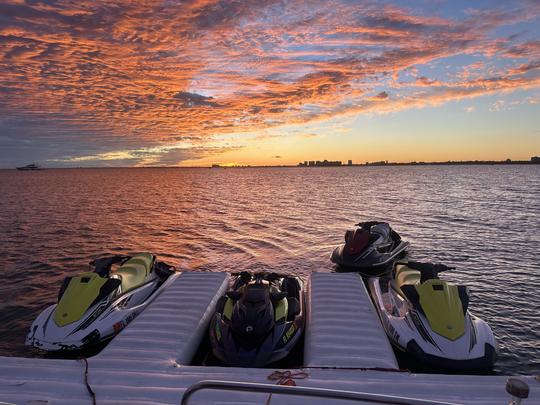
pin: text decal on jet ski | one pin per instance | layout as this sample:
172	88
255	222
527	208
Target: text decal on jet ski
289	333
118	326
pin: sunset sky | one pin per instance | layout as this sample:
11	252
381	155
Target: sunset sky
257	82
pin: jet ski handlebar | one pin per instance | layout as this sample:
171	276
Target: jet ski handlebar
428	271
102	266
163	269
368	224
246	276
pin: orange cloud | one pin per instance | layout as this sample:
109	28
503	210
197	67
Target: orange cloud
125	76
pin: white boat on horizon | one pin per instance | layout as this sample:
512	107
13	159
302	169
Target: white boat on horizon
32	166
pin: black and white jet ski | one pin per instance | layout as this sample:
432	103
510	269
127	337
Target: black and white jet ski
259	321
429	319
94	306
373	245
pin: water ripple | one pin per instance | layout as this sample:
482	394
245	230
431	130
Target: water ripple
484	220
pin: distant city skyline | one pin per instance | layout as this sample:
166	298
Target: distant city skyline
349	162
267	83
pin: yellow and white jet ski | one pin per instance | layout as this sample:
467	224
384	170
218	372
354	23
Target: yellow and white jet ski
94	306
429	318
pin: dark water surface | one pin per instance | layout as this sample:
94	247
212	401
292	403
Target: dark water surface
485	220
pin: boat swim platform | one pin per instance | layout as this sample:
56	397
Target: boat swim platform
149	361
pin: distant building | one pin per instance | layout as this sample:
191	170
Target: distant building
318	163
379	163
535	159
349	162
328	163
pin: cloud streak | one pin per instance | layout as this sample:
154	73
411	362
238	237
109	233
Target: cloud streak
122	76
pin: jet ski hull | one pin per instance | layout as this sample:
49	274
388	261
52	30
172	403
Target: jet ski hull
484	362
260	356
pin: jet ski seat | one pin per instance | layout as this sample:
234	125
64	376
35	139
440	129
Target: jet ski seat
356	241
135	270
406	276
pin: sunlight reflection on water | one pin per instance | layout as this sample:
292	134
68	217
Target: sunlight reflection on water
482	219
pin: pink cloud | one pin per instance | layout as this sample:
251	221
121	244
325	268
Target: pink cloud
168	71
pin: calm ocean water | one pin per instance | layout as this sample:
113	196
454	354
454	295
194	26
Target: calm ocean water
485	220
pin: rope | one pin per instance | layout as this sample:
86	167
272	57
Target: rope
88	387
285	378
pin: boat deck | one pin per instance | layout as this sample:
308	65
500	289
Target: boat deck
148	363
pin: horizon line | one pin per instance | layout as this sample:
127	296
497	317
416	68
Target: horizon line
533	160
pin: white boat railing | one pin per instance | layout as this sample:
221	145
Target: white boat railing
304	391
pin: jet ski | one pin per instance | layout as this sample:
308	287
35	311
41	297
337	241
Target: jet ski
259	321
372	246
93	307
428	318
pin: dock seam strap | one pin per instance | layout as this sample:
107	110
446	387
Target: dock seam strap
88	387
